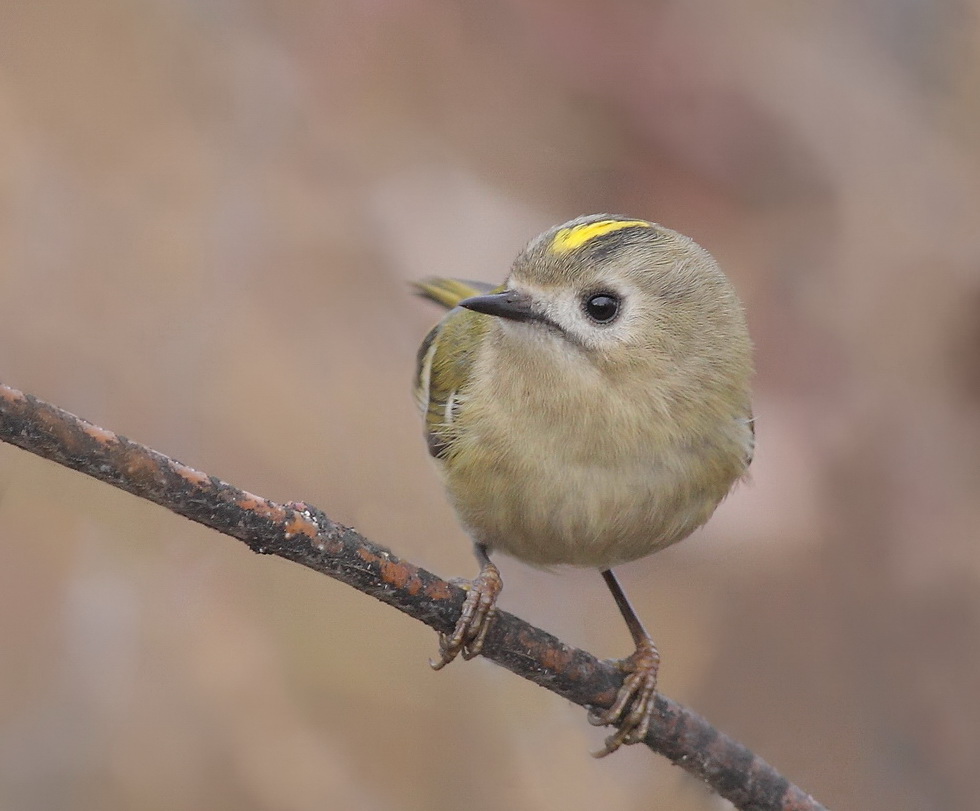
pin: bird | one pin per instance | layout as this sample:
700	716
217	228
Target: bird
591	410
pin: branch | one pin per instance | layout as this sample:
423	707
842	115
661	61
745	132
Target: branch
306	536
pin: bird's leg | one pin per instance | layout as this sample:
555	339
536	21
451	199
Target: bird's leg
475	618
633	707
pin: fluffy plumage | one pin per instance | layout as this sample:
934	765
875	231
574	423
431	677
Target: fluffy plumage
563	440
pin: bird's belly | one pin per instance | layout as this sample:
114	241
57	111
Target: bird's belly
554	512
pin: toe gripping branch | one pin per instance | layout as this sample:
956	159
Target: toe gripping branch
633	707
476	617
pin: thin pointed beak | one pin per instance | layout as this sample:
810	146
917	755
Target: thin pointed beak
506	304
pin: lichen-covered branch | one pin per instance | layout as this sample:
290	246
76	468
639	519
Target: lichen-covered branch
305	535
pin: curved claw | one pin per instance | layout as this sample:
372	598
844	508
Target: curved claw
474	620
633	707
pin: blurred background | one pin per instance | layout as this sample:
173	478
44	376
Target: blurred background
209	214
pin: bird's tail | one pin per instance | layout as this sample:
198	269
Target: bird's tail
450	292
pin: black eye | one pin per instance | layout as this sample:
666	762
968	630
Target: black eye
602	307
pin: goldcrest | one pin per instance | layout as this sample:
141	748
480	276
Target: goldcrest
591	410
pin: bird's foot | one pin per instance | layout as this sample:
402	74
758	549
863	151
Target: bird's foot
633	707
475	618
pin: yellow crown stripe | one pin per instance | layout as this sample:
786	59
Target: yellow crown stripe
568	239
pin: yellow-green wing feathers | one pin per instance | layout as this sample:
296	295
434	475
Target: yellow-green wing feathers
445	358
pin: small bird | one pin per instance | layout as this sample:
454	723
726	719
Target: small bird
590	411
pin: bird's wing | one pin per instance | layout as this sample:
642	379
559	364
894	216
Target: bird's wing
445	359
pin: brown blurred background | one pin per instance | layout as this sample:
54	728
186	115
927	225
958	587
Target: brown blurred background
209	212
